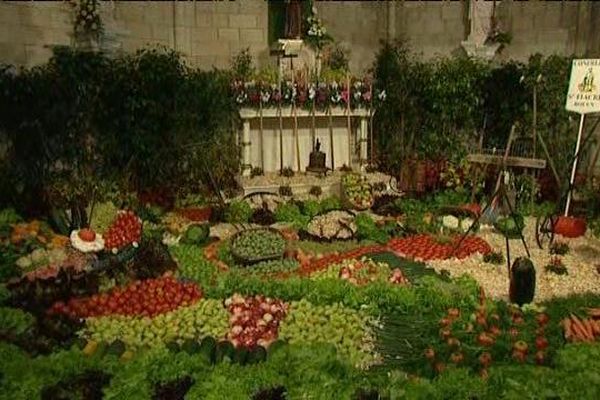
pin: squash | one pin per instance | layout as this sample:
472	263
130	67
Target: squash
224	350
522	281
208	349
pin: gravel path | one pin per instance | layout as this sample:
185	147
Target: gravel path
581	262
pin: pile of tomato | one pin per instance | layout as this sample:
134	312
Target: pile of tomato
425	247
126	229
141	298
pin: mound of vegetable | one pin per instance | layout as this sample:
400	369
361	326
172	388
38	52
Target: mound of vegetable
357	191
254	245
204	318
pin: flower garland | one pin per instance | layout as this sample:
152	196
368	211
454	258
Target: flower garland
319	95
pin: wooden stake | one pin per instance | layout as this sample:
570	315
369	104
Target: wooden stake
280	112
313	129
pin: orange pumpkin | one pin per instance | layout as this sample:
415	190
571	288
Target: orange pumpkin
570	227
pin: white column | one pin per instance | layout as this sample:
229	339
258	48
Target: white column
246	167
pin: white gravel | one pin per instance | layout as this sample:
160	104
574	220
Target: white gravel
581	263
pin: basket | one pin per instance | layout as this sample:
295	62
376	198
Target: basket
240	259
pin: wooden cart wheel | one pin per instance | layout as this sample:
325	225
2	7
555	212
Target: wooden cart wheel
544	230
395	184
260	199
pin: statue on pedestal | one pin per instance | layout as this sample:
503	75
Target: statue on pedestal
293	19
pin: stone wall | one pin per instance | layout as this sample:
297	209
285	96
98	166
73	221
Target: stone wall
209	33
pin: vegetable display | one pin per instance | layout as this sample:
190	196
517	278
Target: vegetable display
254	245
254	320
333	225
149	297
196	234
357	191
206	317
126	229
425	247
350	331
362	272
582	329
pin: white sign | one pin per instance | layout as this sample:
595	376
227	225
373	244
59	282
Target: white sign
583	96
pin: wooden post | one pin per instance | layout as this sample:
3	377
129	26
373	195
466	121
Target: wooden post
313	129
371	114
329	112
262	135
349	122
574	169
280	112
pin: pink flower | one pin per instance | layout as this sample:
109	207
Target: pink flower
345	95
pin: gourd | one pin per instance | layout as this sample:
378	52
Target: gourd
522	281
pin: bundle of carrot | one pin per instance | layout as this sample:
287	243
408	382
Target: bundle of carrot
584	329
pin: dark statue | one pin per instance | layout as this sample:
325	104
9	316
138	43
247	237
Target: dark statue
318	146
293	19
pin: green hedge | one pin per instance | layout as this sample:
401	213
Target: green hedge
143	120
433	109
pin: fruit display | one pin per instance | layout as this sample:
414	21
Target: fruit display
86	241
149	297
333	225
254	320
206	317
125	230
425	247
350	331
255	245
357	191
582	329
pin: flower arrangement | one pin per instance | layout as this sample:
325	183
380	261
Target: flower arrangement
316	34
87	18
307	95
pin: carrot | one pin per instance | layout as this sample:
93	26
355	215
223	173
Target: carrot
589	327
581	328
594	312
595	327
568	329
